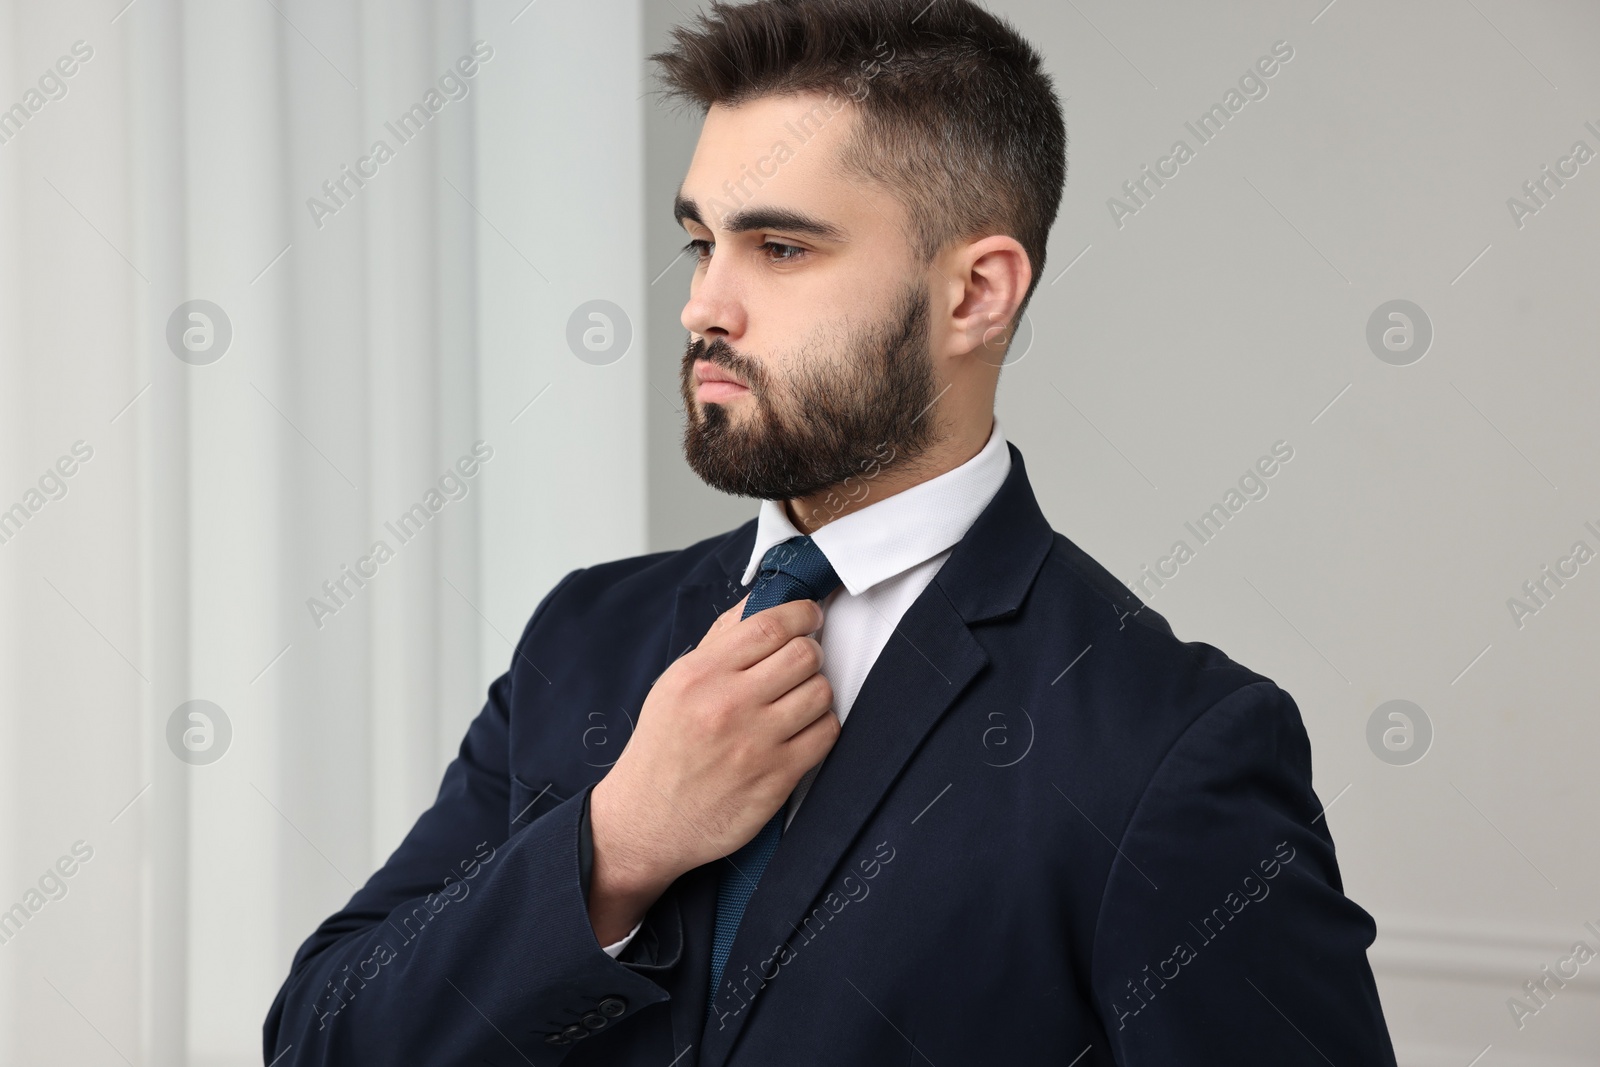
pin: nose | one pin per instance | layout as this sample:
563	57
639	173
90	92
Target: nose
715	307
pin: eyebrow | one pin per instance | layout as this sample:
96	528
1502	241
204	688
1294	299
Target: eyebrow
762	218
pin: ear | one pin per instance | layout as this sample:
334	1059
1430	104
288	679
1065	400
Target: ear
988	280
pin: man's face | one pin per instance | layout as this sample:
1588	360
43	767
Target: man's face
806	294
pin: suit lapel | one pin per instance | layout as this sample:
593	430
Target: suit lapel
929	660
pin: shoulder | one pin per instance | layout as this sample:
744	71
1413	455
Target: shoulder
636	587
1121	689
1129	643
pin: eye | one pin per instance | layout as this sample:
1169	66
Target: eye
798	252
703	249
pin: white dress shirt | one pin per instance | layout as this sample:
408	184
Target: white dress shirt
885	555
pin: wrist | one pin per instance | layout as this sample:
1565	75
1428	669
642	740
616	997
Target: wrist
623	881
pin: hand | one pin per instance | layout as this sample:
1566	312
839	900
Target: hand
724	736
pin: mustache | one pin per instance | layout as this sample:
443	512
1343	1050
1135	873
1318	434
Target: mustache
720	353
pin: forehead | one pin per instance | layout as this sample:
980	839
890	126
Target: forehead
783	152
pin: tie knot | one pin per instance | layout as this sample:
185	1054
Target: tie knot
795	569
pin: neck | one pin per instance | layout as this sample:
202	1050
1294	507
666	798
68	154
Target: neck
884	476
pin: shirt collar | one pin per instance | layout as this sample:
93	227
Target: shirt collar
898	532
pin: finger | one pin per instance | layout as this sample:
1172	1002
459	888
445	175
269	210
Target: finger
815	731
797	709
788	666
752	640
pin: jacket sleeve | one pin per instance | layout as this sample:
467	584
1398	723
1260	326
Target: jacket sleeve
468	940
1225	935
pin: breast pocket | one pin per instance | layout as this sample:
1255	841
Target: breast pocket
528	802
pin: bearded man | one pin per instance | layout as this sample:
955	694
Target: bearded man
913	778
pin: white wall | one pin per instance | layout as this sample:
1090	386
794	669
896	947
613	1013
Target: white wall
371	348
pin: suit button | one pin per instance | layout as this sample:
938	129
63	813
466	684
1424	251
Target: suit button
555	1039
575	1032
613	1007
594	1020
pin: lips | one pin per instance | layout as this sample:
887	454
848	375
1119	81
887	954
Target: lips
710	372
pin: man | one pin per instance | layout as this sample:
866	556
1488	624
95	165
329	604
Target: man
913	778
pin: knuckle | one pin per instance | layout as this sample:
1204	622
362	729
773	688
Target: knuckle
768	627
808	651
720	706
816	693
687	675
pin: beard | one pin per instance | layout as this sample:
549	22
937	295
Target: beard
828	422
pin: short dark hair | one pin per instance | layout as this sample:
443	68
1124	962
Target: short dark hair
960	122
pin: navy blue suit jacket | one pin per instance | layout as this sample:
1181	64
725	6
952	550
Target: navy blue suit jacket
1051	833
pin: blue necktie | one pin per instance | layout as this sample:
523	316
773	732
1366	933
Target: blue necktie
793	570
